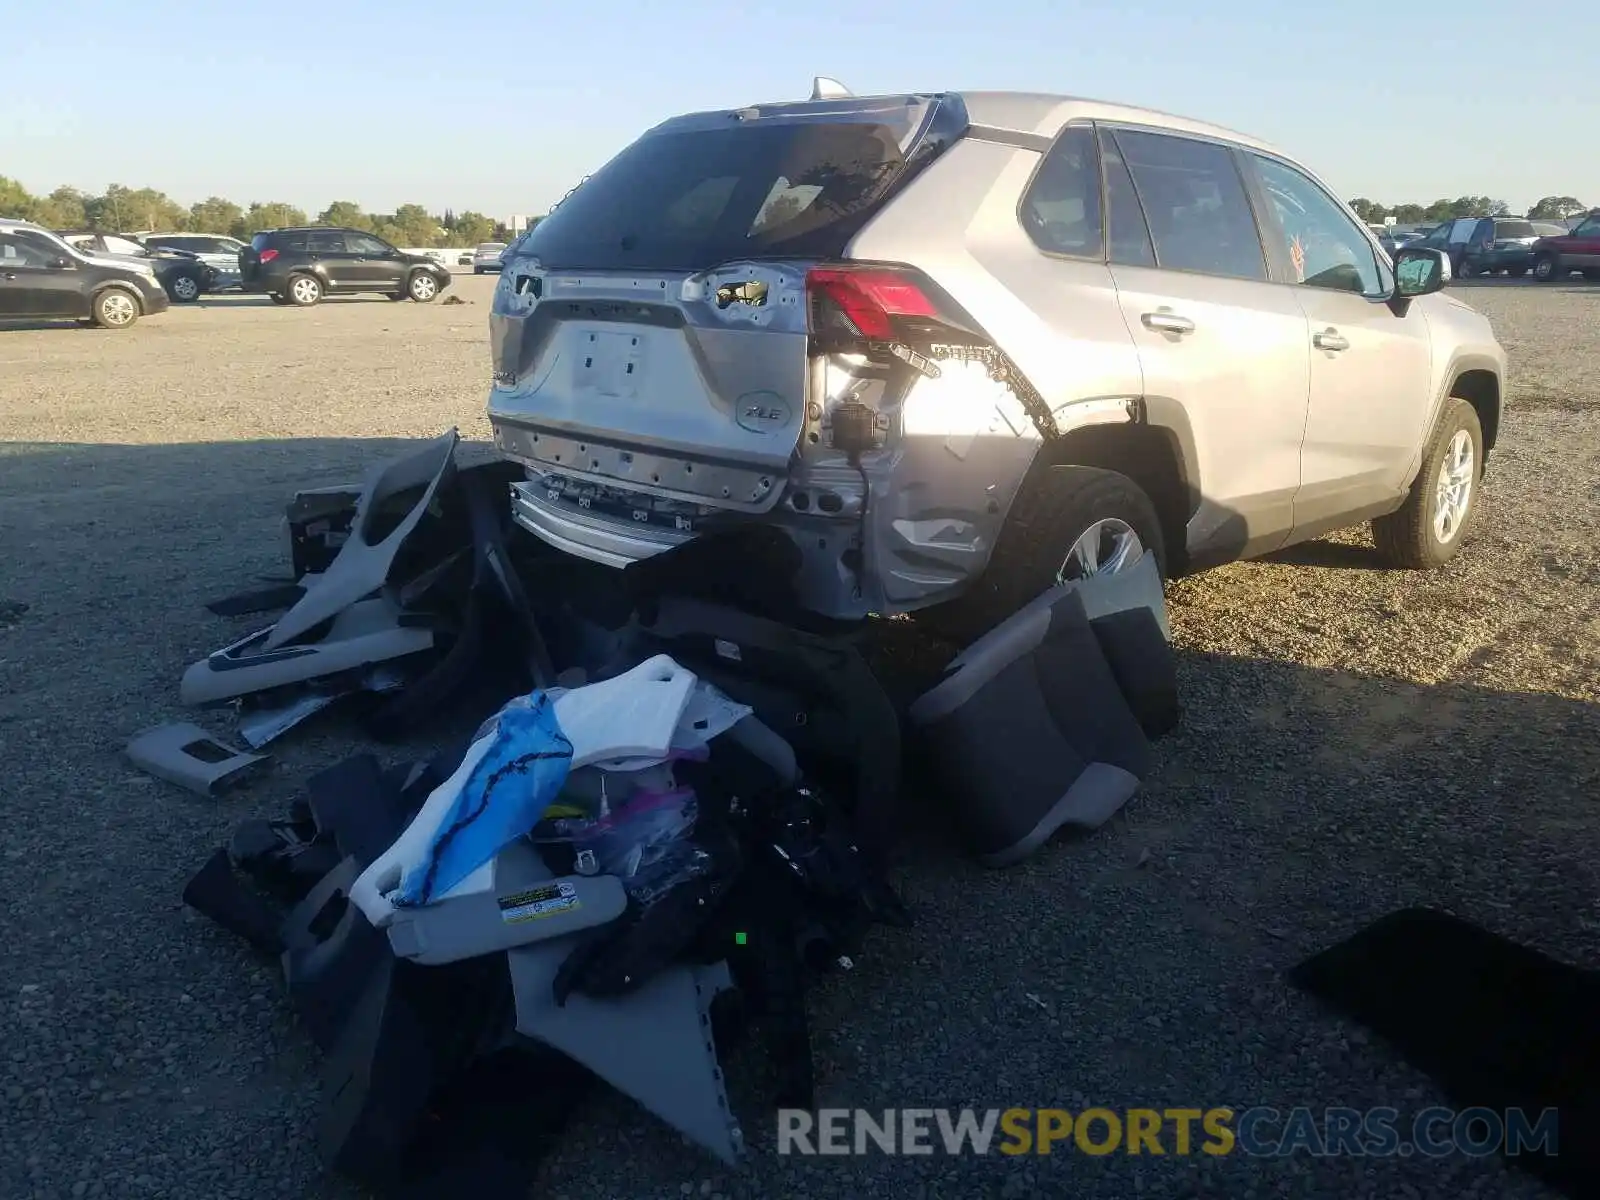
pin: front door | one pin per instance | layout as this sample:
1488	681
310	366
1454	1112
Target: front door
1371	369
376	264
31	285
1581	250
1223	348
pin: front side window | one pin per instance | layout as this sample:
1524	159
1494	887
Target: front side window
16	253
1195	204
1061	210
1325	247
365	245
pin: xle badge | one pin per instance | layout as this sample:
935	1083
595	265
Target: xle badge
535	904
761	412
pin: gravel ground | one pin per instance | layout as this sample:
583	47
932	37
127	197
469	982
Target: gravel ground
1356	740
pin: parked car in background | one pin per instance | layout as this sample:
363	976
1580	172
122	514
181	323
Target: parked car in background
961	347
1393	239
219	253
41	275
1499	244
184	276
1558	257
487	257
302	265
464	259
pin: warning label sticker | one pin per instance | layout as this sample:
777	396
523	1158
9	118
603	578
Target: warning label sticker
535	904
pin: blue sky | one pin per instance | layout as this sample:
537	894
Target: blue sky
500	105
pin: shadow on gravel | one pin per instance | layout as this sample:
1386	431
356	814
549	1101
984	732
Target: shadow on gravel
1138	967
1339	555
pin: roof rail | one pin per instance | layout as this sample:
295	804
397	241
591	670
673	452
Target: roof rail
823	88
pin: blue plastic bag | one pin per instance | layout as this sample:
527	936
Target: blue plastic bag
502	799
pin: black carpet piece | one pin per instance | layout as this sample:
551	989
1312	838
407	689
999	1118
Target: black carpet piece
1495	1024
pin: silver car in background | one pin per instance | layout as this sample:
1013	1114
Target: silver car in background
959	347
487	257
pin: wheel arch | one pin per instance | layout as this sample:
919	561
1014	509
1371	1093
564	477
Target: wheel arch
100	289
1479	385
1155	450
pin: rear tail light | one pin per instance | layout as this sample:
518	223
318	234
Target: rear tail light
868	298
268	255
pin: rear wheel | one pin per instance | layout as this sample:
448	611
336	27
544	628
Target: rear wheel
1592	276
395	295
1546	268
1443	505
1067	523
422	286
1464	269
303	290
115	309
1516	272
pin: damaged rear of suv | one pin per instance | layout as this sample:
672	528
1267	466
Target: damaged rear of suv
960	348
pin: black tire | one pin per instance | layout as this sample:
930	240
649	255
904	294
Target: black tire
185	288
1516	272
302	290
115	308
1055	507
1547	269
1463	269
477	270
1592	276
1408	538
423	286
396	295
277	299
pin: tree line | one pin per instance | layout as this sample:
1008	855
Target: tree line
122	209
1549	208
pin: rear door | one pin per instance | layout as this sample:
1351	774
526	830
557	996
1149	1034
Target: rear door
1224	349
1371	368
650	334
327	249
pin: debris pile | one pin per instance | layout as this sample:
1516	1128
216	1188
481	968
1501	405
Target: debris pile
672	810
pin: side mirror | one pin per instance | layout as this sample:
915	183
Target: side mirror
1419	271
61	263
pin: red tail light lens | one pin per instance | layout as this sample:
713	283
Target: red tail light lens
871	297
268	255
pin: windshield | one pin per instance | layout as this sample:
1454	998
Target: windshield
690	199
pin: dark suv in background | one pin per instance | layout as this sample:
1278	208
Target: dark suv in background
1485	245
301	266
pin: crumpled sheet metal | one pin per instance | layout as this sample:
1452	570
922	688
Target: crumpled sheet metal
362	565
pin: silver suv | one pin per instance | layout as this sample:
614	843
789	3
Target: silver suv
959	347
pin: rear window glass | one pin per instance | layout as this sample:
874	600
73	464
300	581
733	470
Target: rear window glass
688	200
1514	229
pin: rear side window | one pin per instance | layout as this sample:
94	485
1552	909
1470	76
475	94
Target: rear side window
1514	229
261	241
1061	210
298	240
1129	235
325	241
1195	203
689	199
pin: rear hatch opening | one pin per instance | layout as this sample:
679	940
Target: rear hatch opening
683	342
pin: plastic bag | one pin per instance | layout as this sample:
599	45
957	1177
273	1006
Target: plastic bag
645	842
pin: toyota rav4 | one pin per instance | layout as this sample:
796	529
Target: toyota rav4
962	347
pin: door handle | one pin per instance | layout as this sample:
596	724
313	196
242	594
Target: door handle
1167	322
1329	339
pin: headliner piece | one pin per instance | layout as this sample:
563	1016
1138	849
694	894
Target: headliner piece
653	1044
362	566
